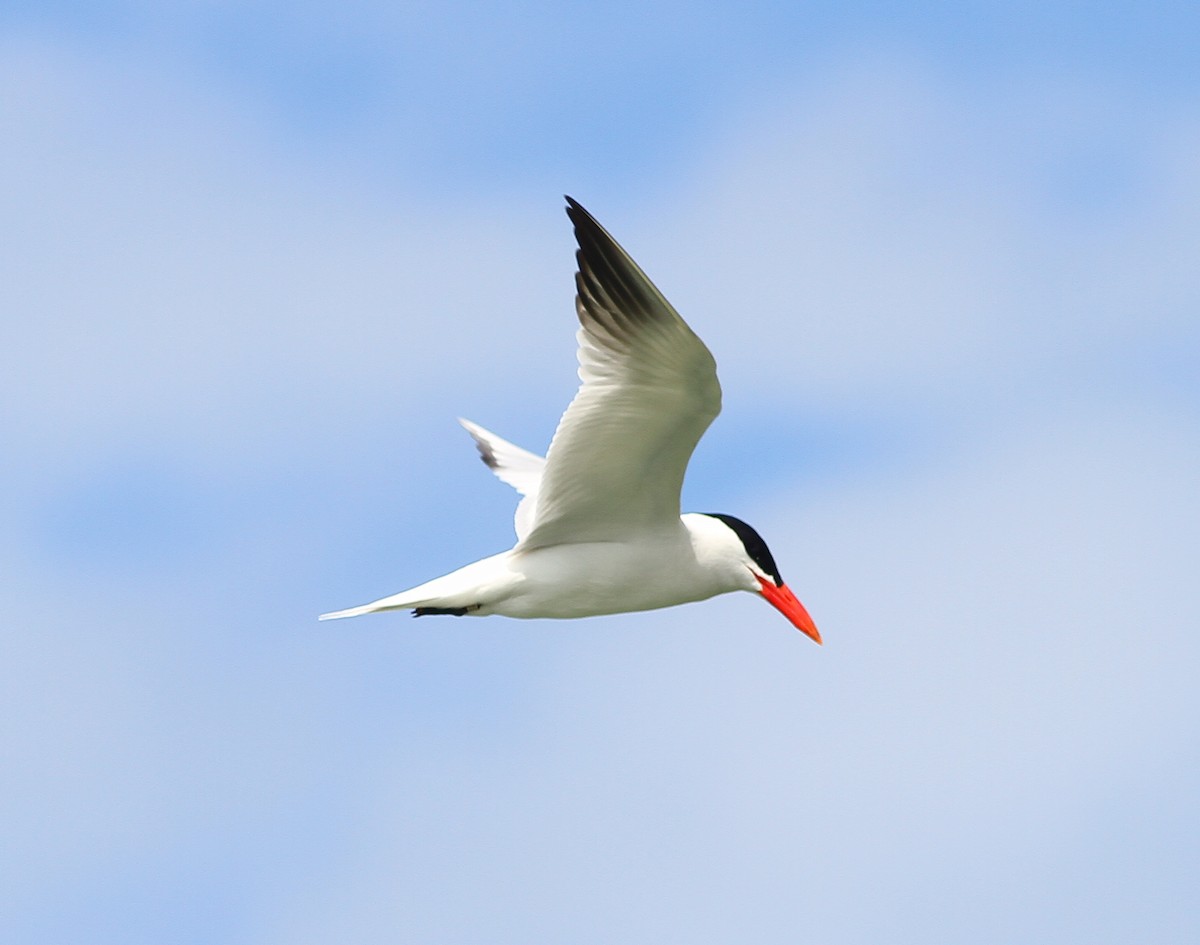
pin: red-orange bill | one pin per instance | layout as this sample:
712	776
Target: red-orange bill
783	600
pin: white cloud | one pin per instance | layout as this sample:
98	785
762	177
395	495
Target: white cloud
1005	656
1008	616
179	279
880	234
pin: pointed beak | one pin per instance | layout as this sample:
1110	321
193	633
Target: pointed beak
783	600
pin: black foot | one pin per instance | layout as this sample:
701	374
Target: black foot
439	611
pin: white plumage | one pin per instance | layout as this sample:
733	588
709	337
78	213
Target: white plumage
599	529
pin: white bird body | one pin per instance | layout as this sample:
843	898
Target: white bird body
599	529
692	562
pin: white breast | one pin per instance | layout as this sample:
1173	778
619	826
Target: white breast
585	579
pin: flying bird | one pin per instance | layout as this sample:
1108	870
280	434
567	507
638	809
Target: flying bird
599	529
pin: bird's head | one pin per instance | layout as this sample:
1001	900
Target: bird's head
759	574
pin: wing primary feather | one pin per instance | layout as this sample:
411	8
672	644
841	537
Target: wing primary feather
649	390
613	287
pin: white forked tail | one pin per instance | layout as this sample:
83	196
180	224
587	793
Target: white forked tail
395	602
468	589
424	596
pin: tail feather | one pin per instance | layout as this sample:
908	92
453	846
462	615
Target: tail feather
395	602
405	600
466	590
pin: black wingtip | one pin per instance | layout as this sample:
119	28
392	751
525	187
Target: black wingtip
487	454
577	211
589	234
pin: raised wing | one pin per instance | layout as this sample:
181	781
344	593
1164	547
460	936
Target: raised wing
520	468
616	464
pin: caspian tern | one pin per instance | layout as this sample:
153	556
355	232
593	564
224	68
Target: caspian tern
599	529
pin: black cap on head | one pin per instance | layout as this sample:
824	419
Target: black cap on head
752	541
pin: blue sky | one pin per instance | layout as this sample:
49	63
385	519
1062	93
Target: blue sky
260	256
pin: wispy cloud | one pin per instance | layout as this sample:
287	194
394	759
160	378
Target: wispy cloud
955	326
